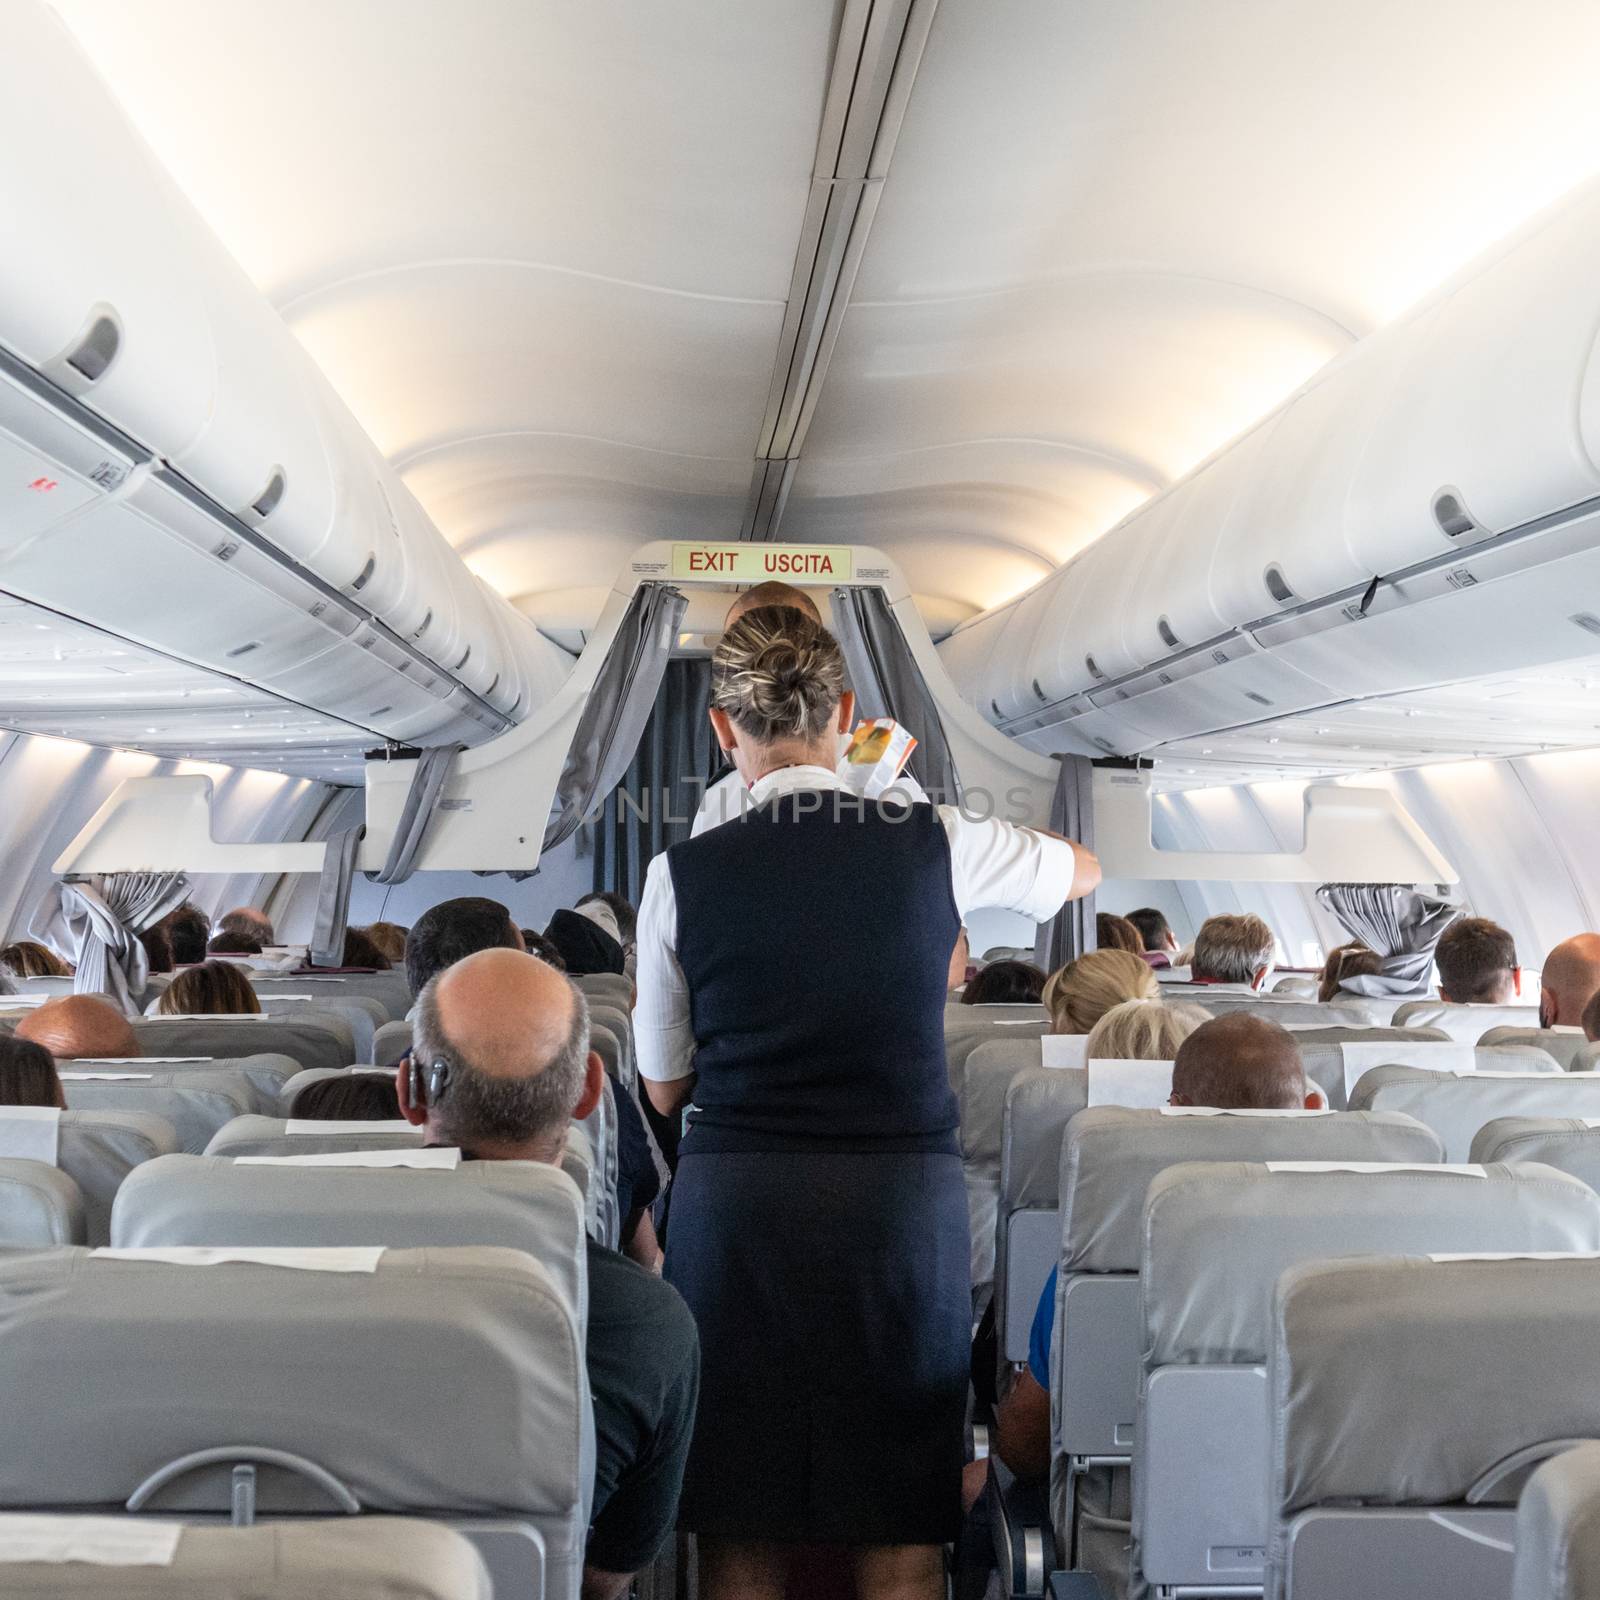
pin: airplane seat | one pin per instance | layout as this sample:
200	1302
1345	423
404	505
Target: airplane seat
282	1203
39	1206
308	1041
87	1377
303	1080
1349	1011
96	1150
1558	1529
196	1104
1569	1144
1216	1239
615	988
1337	1069
365	1559
1413	1399
362	1015
1468	1023
389	989
1109	1158
964	1034
1587	1059
264	1074
1456	1105
1563	1045
1296	986
390	1042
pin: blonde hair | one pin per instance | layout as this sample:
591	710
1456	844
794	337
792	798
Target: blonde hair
777	674
1084	990
1142	1030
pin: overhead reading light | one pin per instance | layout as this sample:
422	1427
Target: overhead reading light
91	357
269	499
244	649
1450	512
1278	585
1586	620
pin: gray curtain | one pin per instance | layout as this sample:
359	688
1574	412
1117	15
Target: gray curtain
333	897
101	918
1070	933
888	683
1401	924
653	806
617	708
427	782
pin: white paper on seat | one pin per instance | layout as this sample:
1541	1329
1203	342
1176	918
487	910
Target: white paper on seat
19	1002
1590	1122
1437	1056
1139	1085
1541	1077
146	1061
1461	1170
1523	1255
30	1133
105	1077
1064	1049
420	1156
273	994
211	1016
361	1258
1215	1111
96	1541
332	1128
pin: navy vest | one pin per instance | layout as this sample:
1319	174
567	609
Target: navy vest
816	946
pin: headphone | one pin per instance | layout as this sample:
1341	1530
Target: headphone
438	1080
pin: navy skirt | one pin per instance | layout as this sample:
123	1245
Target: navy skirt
832	1296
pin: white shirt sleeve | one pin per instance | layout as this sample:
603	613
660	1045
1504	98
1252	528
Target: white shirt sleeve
663	1037
996	865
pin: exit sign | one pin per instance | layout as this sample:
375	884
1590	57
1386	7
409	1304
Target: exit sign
765	563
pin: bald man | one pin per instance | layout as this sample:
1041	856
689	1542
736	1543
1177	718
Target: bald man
503	1043
1570	980
250	922
1242	1063
80	1026
724	800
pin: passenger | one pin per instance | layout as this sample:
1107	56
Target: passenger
28	1075
1159	944
1138	1030
960	959
213	989
536	944
27	958
253	924
586	944
503	1065
623	918
1084	990
455	929
1571	978
361	954
1478	964
819	1221
80	1025
1235	951
1117	933
351	1097
157	944
1346	961
188	930
390	938
1005	983
1242	1063
230	943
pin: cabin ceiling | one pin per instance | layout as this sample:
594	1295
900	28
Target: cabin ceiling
544	250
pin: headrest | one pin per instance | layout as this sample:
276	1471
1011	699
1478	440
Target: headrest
39	1205
303	1080
1563	1045
1205	1303
272	1136
982	1083
1406	1382
196	1103
334	1366
1464	1022
308	1040
1349	1012
359	1559
1457	1107
1110	1157
1569	1144
208	1201
1039	1104
98	1149
390	989
1558	1529
390	1042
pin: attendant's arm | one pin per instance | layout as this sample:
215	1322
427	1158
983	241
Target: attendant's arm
1002	866
663	1036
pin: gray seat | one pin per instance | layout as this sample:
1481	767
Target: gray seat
308	1041
266	1074
614	987
1466	1023
196	1104
390	1042
304	1080
39	1206
1457	1107
1569	1144
341	1021
611	1031
964	1033
390	989
1357	1057
1413	1398
1217	1237
1558	1529
360	1014
88	1377
1564	1045
209	1201
1109	1158
365	1558
1350	1011
1587	1059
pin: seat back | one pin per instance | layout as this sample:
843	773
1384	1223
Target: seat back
1564	1045
1466	1023
390	989
1217	1237
611	1029
196	1104
304	1080
1407	1387
1457	1107
1558	1529
390	1042
361	1015
1447	1055
615	988
88	1377
366	1558
964	1033
209	1201
39	1206
309	1040
1349	1011
1569	1144
265	1074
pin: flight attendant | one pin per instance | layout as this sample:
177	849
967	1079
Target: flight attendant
792	972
